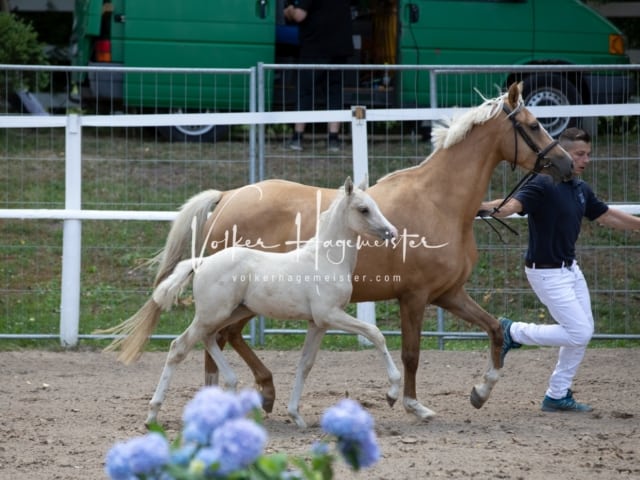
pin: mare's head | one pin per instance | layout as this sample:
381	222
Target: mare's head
534	148
361	212
520	137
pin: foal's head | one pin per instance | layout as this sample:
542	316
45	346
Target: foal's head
361	212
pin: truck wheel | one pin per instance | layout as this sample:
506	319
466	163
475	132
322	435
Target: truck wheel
550	90
194	133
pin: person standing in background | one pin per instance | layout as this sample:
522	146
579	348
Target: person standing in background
554	214
325	38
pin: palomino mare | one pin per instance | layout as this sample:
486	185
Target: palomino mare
312	282
431	204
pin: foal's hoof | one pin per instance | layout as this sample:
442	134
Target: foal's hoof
476	399
391	401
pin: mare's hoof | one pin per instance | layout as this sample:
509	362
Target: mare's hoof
267	404
391	401
476	400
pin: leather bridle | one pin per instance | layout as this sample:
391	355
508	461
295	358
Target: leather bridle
541	155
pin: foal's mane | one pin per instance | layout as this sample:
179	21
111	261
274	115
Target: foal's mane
325	216
450	131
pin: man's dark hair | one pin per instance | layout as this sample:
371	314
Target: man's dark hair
574	134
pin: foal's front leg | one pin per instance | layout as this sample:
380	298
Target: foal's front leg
343	321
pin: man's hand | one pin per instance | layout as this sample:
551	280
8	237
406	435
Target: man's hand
482	213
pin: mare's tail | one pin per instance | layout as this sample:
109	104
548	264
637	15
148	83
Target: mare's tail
193	212
134	332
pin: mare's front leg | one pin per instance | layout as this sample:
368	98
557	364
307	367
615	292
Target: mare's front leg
411	316
312	342
462	305
177	352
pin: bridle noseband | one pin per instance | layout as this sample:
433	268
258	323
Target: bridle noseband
519	129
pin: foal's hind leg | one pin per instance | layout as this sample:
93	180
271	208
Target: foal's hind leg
212	345
261	374
177	352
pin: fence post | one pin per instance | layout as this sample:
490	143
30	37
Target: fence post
71	235
366	311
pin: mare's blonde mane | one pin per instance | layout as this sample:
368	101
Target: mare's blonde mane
450	131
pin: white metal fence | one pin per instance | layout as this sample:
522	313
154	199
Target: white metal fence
376	138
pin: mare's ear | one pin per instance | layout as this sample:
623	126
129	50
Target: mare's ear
348	186
515	93
364	184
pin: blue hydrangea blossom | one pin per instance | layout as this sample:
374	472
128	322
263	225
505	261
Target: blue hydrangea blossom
138	456
353	426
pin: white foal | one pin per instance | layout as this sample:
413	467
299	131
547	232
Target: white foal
312	282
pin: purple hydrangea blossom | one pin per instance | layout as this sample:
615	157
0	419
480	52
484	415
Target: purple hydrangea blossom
320	448
138	456
204	459
353	426
360	453
238	443
347	419
249	400
183	455
209	409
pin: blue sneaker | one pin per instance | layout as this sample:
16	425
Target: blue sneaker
566	404
507	341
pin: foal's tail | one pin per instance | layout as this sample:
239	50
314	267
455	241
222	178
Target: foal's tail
134	332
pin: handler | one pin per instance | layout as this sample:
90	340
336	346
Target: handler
554	213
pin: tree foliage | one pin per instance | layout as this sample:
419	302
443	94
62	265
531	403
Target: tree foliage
19	46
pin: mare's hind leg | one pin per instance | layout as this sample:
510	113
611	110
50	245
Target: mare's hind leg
461	304
312	342
262	375
177	352
343	321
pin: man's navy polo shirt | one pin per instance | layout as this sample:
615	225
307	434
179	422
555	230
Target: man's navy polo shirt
554	213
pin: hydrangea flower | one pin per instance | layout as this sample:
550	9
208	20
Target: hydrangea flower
209	409
360	453
138	456
249	400
219	441
238	443
353	426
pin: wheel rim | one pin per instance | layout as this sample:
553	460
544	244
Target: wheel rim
544	98
193	130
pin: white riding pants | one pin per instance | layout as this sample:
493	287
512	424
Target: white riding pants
565	293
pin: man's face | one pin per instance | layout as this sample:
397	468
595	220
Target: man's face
580	151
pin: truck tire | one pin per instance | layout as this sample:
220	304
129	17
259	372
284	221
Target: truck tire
194	133
549	90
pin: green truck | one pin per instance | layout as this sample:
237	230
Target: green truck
244	33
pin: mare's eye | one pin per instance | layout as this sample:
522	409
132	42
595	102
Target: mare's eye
364	210
535	126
